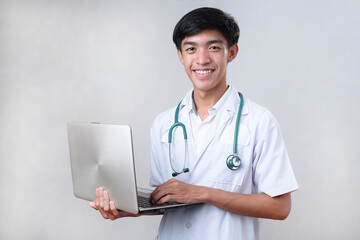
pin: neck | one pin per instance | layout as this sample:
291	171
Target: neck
204	100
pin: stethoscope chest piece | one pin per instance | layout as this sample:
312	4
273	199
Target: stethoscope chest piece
233	162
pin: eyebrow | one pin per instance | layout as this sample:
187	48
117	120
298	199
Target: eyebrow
209	42
189	43
215	41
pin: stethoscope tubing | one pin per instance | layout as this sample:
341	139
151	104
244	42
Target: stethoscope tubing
231	158
236	132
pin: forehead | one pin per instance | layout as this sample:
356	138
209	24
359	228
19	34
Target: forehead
205	37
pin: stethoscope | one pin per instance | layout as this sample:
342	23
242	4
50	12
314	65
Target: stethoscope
233	161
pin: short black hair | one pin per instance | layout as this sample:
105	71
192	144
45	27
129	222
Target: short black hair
206	18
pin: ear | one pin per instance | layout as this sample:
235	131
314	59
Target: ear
180	56
233	51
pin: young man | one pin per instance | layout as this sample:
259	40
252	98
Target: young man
236	191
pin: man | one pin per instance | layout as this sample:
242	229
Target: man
235	198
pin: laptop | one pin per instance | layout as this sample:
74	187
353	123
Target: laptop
101	155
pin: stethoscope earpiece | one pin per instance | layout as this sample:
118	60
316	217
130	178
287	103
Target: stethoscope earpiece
185	170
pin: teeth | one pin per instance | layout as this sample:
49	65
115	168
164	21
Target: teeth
203	72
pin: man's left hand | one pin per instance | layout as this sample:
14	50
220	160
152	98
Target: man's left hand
175	190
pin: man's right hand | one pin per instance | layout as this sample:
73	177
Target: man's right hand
106	207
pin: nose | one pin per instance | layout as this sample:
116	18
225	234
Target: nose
202	57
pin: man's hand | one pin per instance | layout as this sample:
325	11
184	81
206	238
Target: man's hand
175	190
106	207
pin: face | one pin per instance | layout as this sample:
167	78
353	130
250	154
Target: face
205	57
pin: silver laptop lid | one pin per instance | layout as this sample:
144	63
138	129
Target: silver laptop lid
102	156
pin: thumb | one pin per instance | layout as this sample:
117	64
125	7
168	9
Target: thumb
93	205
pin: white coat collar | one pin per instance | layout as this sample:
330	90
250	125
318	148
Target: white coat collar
231	102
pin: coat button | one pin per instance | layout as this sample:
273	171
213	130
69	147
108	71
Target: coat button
188	225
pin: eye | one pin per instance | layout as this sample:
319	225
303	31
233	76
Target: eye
214	48
190	49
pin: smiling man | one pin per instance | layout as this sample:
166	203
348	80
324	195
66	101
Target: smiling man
235	161
205	56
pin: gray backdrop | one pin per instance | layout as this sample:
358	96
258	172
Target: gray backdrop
114	62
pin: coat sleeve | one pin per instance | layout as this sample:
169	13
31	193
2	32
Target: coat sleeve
272	171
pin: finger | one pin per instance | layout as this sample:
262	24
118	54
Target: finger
158	188
155	195
101	197
106	201
104	214
160	195
158	192
93	205
97	198
114	210
165	199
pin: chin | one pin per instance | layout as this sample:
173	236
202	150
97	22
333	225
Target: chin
205	85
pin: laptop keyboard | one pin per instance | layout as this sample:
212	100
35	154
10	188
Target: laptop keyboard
145	202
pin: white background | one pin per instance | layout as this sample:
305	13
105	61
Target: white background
114	62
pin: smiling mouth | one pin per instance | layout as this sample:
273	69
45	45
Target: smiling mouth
204	71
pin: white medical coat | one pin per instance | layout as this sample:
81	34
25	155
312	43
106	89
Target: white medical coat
265	168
